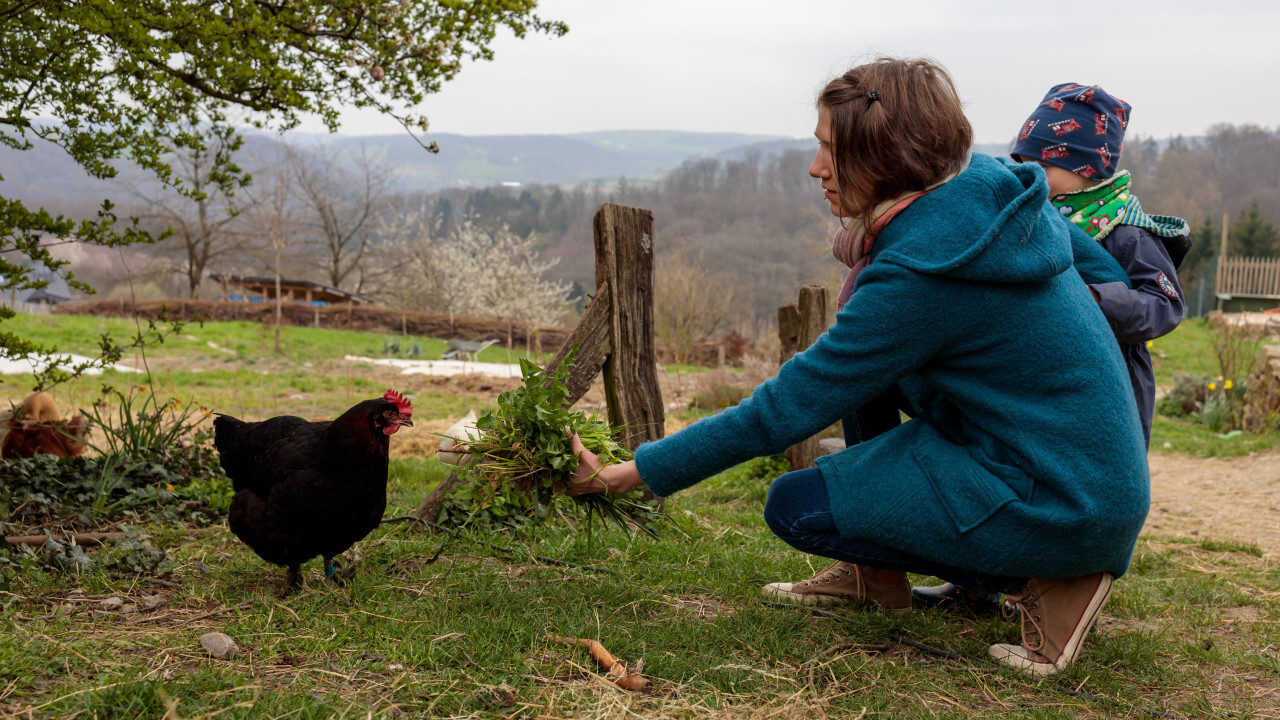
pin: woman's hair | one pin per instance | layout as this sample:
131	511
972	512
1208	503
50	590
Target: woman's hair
896	126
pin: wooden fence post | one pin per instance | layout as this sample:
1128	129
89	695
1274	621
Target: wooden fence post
788	331
614	336
812	312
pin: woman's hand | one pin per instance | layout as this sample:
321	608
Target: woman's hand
593	476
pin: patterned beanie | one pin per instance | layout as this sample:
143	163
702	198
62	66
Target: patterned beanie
1076	127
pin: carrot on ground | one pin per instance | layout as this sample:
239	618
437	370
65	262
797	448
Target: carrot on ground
615	671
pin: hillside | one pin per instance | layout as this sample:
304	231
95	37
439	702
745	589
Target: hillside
46	174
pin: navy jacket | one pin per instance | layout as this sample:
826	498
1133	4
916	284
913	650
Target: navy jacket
1151	308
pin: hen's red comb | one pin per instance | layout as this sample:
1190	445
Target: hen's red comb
402	405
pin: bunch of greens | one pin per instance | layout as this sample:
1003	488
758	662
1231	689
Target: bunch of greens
524	457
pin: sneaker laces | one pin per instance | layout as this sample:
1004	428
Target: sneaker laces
1028	605
837	571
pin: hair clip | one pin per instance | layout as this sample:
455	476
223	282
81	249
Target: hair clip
873	96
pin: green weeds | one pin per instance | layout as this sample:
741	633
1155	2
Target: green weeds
524	456
1190	632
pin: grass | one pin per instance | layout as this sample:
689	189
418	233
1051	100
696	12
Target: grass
231	367
232	343
1182	435
1191	632
1190	349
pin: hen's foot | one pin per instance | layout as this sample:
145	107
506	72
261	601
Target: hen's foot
292	581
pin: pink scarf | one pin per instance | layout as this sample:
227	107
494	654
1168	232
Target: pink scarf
852	244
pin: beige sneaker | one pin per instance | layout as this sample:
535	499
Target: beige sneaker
1056	616
846	582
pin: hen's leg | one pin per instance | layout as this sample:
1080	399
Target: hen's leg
337	574
331	573
292	580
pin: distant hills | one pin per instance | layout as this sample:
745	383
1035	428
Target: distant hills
46	173
485	160
464	160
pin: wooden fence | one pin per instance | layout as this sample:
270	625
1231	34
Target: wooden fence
1248	277
27	307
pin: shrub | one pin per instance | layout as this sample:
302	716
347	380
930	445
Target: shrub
152	465
1217	413
1187	395
84	492
718	397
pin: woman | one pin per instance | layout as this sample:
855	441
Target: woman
1022	470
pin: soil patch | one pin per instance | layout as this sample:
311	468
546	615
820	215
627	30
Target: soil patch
1235	499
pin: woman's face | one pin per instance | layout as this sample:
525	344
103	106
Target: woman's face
824	167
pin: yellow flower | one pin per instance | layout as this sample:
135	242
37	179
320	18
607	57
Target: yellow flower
1150	343
1213	386
1226	385
168	487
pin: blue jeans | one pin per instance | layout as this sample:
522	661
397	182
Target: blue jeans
798	510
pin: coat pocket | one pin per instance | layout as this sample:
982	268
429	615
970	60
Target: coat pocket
967	491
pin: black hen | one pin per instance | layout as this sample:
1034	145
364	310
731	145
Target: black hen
305	488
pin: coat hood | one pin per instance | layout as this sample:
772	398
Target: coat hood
991	223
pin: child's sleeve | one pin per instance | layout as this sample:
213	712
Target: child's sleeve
1093	263
1153	306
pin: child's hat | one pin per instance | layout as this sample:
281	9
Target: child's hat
1077	127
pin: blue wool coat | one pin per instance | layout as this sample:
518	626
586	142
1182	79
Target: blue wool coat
1024	457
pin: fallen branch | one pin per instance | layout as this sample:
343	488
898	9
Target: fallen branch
430	508
615	671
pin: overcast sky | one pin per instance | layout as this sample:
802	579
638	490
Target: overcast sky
754	66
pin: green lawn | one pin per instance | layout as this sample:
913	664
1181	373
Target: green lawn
1192	631
1190	349
232	367
231	343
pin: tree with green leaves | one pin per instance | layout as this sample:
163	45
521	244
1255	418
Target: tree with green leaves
1253	235
115	80
1204	243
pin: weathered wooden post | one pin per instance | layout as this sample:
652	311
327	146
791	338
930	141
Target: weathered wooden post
788	331
614	336
811	313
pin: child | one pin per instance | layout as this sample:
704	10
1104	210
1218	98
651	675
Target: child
1076	134
1036	487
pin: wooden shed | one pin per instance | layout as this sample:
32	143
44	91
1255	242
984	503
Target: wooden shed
245	288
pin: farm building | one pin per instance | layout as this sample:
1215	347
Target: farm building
245	288
37	299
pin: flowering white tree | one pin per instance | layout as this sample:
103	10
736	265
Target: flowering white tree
476	271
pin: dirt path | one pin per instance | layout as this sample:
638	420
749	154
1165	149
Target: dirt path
1221	499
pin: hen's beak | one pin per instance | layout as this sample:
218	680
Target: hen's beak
403	420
